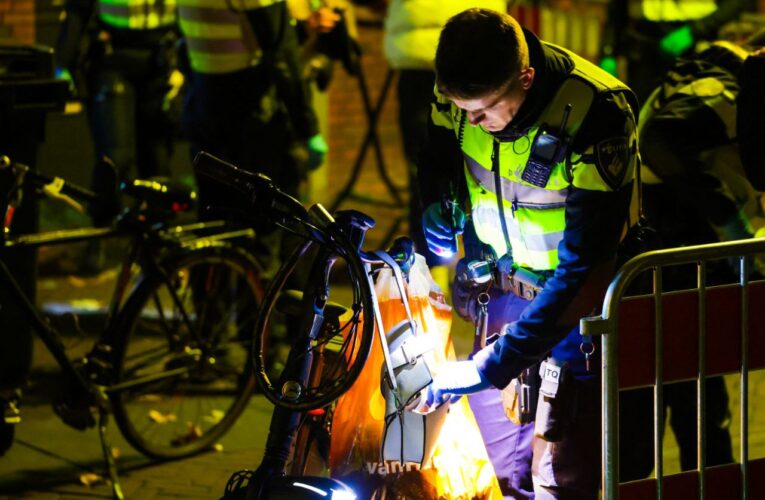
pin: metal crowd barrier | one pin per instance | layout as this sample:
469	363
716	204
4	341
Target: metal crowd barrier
727	320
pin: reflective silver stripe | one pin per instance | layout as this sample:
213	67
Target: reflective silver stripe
534	242
515	191
542	242
216	46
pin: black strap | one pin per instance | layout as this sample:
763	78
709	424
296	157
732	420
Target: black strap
498	191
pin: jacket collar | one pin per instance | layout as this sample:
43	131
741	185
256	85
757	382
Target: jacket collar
551	69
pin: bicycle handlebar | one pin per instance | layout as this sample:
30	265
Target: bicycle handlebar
52	186
259	189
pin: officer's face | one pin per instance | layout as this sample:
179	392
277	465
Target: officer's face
495	110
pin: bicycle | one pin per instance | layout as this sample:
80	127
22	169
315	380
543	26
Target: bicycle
330	342
171	363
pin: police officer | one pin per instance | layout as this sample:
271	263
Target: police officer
128	67
696	191
537	147
651	34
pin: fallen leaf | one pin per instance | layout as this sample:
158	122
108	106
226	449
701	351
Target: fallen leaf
89	479
214	417
160	418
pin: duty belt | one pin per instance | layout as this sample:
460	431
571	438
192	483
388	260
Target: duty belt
521	283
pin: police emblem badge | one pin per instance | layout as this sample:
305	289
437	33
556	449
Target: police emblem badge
611	159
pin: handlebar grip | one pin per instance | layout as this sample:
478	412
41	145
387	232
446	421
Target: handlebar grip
223	172
259	189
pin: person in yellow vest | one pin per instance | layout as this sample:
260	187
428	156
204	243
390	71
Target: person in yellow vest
537	147
651	34
129	79
247	100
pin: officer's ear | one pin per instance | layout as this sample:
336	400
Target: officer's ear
527	78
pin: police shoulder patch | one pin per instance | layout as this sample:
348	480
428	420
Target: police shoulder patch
611	159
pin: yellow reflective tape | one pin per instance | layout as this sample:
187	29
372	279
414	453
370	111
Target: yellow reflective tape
219	63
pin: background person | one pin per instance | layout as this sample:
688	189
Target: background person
128	76
696	191
651	34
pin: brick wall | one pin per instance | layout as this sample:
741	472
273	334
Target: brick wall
17	20
348	127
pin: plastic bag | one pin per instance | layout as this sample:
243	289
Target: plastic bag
459	467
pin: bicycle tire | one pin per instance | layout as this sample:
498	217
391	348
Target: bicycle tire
318	397
202	333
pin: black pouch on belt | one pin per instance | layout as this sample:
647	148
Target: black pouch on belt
519	398
555	400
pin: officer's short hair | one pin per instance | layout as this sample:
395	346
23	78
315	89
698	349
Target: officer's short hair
479	51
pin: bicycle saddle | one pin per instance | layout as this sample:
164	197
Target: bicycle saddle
161	193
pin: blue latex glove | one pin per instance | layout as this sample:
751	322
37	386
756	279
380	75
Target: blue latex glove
441	228
64	74
677	41
454	379
317	150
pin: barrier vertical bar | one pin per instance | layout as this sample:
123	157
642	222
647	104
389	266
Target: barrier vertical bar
658	389
609	400
744	281
701	428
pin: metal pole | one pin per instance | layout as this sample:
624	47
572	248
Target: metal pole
744	436
701	402
658	389
609	400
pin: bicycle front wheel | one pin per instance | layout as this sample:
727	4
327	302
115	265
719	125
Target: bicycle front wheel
181	353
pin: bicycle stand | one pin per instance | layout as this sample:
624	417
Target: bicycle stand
371	138
106	449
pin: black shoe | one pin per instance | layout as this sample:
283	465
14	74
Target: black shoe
10	417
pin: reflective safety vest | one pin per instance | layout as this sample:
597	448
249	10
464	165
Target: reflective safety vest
671	10
218	34
137	14
722	162
535	215
716	94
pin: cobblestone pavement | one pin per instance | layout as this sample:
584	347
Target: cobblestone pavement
50	461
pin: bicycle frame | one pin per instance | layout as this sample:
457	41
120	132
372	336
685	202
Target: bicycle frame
152	239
